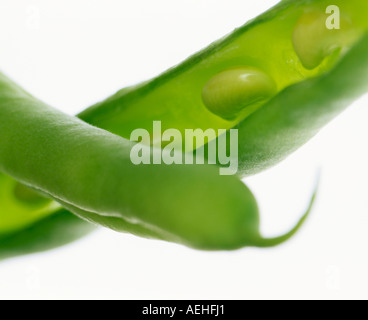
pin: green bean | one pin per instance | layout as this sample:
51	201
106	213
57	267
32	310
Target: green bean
88	170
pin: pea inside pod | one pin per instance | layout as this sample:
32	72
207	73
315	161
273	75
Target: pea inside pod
314	39
230	92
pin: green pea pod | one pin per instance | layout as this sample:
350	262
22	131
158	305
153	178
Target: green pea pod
297	114
56	230
254	67
276	112
89	171
31	223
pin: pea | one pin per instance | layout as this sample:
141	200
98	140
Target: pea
233	90
313	41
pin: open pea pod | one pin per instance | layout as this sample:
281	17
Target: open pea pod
277	79
295	115
302	74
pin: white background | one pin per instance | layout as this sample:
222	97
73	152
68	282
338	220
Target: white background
72	53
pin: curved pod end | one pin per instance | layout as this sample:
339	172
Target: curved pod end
272	242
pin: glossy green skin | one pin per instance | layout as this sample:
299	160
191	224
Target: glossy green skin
266	137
